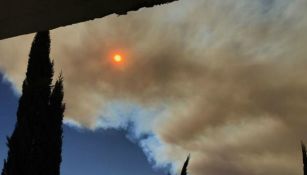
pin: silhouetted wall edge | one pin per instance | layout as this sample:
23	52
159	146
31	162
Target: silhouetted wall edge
23	17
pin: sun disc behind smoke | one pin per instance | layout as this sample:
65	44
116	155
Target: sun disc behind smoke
117	58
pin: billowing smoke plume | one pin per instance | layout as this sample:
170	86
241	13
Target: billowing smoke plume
222	80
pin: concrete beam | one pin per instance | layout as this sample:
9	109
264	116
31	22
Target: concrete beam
19	17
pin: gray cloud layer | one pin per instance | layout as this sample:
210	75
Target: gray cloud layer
222	80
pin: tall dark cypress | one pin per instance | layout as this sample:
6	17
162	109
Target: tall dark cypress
39	117
304	158
56	115
184	170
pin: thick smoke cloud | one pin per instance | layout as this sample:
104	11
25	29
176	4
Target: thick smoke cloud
222	80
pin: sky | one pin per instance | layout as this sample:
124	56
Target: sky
222	80
84	151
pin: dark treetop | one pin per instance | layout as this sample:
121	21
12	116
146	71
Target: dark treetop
35	145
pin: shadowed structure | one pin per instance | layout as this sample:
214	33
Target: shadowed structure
35	15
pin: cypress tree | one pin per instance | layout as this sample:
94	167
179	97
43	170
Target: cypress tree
35	139
56	131
184	170
304	158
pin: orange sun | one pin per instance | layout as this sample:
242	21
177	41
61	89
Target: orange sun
117	58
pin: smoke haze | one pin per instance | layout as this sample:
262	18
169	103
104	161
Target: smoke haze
222	80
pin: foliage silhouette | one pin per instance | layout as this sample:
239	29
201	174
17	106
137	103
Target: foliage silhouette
184	170
304	158
36	143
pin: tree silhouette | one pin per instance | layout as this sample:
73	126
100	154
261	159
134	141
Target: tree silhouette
184	170
56	115
35	145
304	158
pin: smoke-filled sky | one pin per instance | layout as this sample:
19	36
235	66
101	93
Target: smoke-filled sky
222	80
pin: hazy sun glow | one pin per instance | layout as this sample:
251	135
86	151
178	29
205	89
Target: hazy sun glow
117	58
